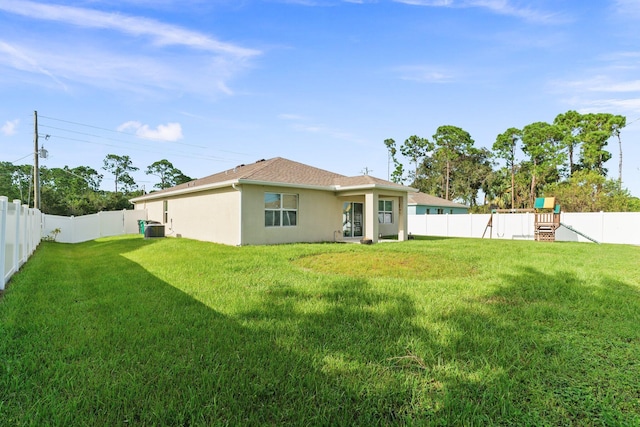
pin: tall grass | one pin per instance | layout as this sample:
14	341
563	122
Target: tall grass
127	331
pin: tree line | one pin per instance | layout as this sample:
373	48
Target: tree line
77	191
564	159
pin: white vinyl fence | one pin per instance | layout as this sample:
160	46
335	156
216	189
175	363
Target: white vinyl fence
76	229
603	227
22	228
19	236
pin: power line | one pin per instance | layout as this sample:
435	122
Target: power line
28	155
126	144
122	133
633	121
118	132
176	153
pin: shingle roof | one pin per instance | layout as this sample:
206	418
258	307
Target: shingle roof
279	170
364	180
429	200
287	171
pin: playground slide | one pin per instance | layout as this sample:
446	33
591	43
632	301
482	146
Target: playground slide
578	232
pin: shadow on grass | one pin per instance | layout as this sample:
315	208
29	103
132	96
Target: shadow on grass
547	349
119	346
111	344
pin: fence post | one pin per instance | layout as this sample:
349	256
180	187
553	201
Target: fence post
24	211
72	226
446	217
4	206
30	226
16	246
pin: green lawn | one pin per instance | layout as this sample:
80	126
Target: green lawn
127	331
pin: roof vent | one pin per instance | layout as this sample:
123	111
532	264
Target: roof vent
261	160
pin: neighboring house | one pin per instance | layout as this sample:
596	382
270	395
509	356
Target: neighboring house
280	201
425	204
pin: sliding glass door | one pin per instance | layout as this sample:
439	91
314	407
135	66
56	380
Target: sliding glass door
352	219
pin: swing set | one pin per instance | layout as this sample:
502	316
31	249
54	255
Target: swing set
546	219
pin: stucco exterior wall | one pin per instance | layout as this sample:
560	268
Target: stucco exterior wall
235	215
154	209
319	216
212	215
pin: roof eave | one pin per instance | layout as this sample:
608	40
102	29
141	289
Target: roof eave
374	186
229	183
331	187
186	190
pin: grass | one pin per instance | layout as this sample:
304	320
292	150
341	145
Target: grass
127	331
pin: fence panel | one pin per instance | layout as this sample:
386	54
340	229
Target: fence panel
89	227
621	227
11	244
61	226
605	227
19	236
131	218
21	230
86	227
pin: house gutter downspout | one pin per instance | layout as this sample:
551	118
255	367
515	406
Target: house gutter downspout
239	190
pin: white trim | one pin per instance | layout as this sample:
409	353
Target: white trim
230	183
194	189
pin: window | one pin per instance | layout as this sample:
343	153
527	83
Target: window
280	210
165	211
385	211
440	211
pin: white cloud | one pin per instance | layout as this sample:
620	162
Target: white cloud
22	60
138	54
627	8
436	3
169	132
160	33
9	128
628	86
501	7
630	106
601	93
611	86
300	123
603	83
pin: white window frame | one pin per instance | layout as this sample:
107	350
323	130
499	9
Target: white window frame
165	211
385	216
276	213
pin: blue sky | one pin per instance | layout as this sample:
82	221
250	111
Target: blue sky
210	84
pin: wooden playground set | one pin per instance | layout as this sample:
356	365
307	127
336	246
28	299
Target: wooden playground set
546	219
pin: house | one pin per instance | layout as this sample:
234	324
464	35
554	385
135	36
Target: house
425	204
280	201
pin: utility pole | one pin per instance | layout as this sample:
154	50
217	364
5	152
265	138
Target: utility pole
36	166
